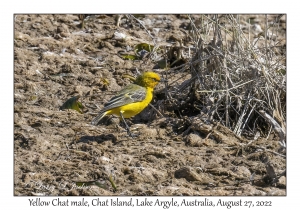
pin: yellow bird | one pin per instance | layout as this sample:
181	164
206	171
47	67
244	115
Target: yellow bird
131	100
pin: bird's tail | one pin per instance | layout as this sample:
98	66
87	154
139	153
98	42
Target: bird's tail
98	118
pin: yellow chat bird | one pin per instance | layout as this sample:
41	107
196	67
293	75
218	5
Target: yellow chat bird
131	100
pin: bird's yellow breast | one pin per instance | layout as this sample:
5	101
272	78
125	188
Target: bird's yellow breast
132	109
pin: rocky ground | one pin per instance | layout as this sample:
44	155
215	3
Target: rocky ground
58	152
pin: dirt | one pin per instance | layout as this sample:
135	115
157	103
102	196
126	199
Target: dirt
56	151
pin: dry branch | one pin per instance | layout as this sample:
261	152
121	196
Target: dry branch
275	125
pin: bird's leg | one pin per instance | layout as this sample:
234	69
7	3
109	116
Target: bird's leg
127	127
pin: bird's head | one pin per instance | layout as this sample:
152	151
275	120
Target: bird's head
148	79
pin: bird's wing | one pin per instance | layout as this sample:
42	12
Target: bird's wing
130	94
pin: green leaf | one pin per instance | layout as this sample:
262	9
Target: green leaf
130	57
112	182
143	46
73	103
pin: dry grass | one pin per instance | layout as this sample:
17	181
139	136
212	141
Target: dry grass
236	69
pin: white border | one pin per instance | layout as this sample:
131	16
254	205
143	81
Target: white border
148	6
